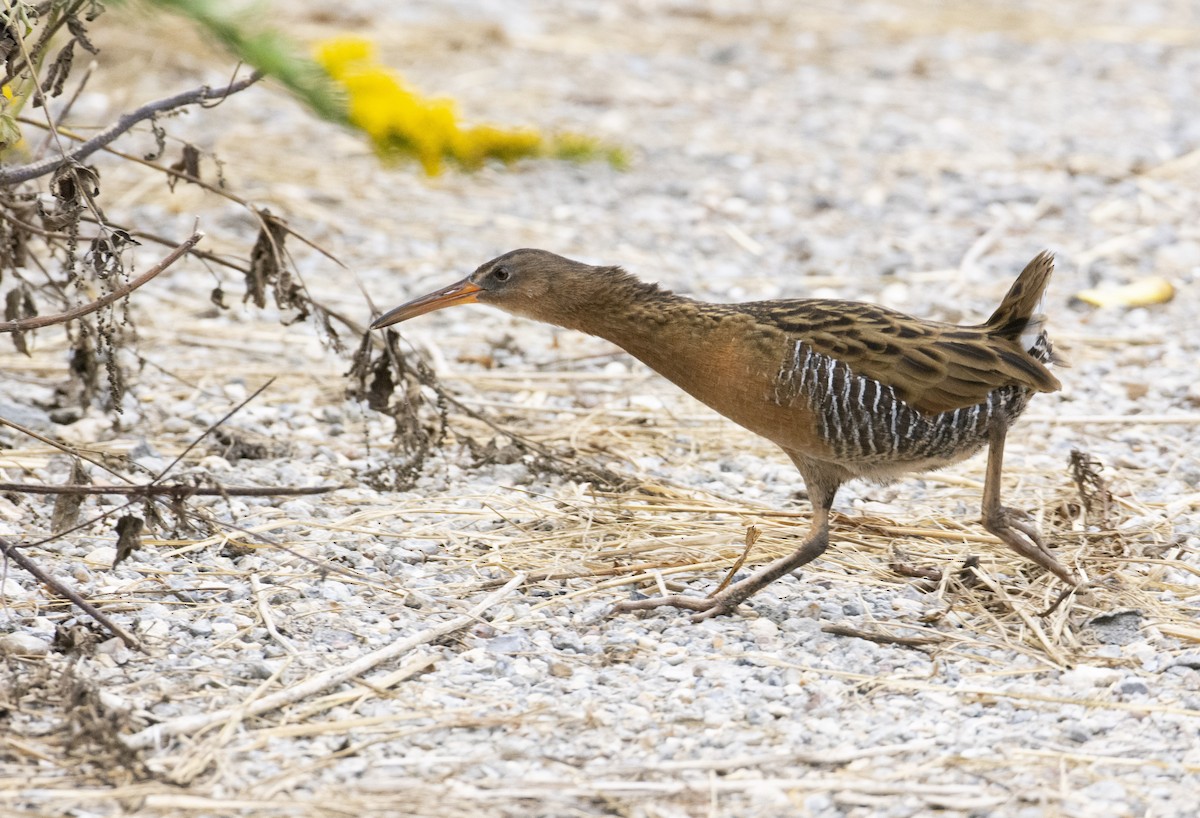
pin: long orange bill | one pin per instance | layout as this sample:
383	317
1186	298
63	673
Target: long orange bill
463	292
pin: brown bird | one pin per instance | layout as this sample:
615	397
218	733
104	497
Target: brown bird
846	389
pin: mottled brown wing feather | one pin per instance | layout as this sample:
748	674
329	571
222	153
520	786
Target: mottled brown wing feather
933	367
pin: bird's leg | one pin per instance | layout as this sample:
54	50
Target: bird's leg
1018	534
727	600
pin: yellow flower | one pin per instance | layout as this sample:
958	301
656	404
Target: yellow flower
399	121
337	54
485	141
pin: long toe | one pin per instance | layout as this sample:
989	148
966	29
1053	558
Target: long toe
1026	540
1029	530
704	607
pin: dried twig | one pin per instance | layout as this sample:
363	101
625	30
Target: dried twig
752	535
264	613
14	553
902	566
825	758
880	637
154	490
37	322
23	173
1053	654
578	466
175	491
212	428
62	447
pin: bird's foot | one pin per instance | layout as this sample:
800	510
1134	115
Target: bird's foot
726	598
718	604
1015	528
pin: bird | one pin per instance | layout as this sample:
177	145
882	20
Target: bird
848	390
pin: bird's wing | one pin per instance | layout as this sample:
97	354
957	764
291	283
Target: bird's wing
933	367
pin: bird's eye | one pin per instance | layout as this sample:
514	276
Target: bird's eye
501	274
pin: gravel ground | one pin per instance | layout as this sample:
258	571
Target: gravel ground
912	154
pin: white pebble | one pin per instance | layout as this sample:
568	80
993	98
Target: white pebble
1086	676
11	589
336	591
102	556
764	629
23	644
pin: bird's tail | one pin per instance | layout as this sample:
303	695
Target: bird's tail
1020	306
1019	315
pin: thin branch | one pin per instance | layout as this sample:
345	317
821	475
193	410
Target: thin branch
880	637
62	447
13	553
211	429
12	176
205	255
174	490
184	176
37	322
577	466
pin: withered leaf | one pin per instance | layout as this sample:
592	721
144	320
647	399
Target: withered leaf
8	45
360	366
10	131
56	76
129	537
160	147
66	506
329	334
72	182
377	392
18	304
188	164
75	26
105	252
266	260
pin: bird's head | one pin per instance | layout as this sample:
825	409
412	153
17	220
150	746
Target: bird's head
532	283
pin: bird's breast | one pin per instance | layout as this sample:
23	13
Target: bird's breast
725	366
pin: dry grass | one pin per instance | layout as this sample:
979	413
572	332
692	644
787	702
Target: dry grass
581	545
576	544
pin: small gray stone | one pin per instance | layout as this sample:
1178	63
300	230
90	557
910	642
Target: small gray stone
508	644
1132	686
1191	659
1117	628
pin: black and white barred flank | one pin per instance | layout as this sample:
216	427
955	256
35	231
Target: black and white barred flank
863	420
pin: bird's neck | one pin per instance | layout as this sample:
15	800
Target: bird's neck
711	351
640	318
692	343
